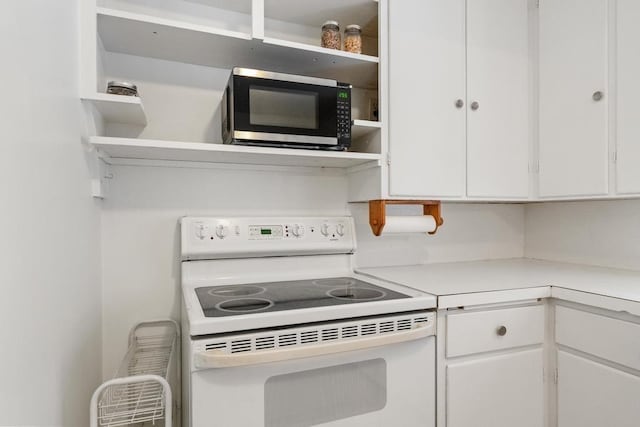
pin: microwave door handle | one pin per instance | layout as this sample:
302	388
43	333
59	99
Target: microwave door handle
218	359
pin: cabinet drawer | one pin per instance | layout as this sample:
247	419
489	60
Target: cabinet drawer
610	339
469	333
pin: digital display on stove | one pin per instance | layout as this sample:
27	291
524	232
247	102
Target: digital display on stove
233	300
262	231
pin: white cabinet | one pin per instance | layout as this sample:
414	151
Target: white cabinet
576	329
589	62
492	330
493	361
628	96
601	385
497	391
426	77
573	63
443	141
498	85
591	394
490	367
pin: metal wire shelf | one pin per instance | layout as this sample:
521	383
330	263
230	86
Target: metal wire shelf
141	389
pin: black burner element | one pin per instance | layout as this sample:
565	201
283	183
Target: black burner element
356	294
244	305
334	282
234	300
236	291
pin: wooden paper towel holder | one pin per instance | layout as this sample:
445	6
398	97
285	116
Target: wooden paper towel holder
377	212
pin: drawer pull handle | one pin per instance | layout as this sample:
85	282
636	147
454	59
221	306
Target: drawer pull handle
502	331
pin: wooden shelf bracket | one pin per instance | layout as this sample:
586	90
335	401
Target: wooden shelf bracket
377	212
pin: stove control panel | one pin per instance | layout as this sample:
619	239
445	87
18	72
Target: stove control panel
214	238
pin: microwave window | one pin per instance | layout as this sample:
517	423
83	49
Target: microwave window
283	108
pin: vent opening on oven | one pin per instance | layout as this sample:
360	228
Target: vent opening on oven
314	336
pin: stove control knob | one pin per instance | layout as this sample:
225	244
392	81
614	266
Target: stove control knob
202	231
325	229
222	231
298	230
340	229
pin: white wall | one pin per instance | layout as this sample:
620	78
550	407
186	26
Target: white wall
470	232
605	233
50	347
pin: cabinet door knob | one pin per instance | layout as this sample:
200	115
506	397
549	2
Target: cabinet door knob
475	105
597	95
459	103
502	331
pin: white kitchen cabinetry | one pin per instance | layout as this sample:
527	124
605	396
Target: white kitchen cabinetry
426	97
490	367
498	132
598	365
497	391
459	98
492	363
573	88
492	330
628	96
591	394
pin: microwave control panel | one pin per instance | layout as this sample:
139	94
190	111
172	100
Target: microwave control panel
343	112
212	238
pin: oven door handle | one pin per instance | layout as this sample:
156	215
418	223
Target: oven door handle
218	359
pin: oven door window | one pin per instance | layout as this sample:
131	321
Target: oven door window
327	394
276	107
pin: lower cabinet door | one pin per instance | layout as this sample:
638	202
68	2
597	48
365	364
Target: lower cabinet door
497	391
594	395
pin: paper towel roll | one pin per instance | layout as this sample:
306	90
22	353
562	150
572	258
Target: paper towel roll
409	224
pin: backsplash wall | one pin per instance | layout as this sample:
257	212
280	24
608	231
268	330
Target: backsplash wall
470	232
605	233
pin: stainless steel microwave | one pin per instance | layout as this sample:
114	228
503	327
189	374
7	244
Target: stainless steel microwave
285	110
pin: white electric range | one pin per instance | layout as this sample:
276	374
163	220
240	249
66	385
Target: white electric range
279	331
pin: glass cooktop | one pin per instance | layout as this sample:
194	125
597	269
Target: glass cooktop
232	300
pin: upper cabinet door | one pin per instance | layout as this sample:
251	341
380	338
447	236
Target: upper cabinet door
498	109
426	98
573	98
628	95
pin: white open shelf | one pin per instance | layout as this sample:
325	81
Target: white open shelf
118	108
364	128
300	58
115	149
362	12
168	39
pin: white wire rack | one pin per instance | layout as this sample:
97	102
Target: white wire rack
141	391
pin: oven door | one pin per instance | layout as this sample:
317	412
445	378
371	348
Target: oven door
384	380
271	111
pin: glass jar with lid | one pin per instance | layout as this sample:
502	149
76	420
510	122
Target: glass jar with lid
353	38
331	35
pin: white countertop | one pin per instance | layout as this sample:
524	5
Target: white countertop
499	276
